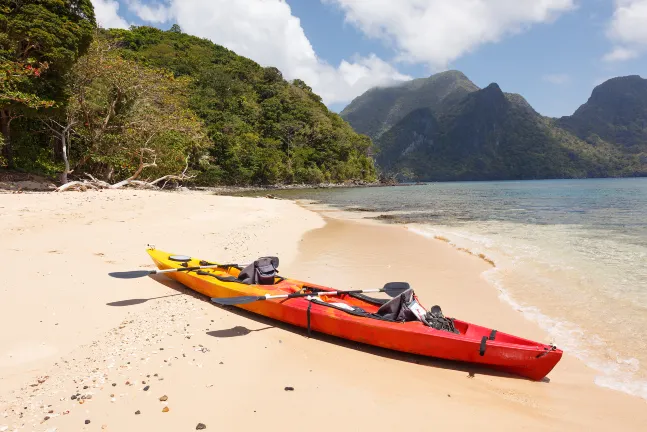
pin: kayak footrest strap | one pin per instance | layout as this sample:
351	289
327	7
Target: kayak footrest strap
308	317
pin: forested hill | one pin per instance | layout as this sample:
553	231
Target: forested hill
159	102
262	129
445	128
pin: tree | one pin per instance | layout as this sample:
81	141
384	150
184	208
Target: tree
39	42
125	118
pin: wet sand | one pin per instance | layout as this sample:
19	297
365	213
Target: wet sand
72	326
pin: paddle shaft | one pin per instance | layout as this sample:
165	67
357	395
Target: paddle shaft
320	293
392	289
186	269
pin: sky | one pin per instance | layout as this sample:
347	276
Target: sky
552	52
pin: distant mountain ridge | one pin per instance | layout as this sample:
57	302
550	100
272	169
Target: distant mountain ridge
445	128
616	112
375	111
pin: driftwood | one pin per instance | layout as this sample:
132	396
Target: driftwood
96	184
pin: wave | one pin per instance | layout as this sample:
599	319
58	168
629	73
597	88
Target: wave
614	371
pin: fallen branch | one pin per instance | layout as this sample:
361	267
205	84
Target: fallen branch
95	183
78	185
180	177
141	167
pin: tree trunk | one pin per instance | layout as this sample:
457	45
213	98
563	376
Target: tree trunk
65	159
5	120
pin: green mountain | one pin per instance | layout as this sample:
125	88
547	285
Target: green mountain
486	134
616	112
377	110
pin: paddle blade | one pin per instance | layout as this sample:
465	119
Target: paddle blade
130	274
232	301
394	289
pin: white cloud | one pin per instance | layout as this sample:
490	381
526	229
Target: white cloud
620	53
267	32
559	78
437	32
628	29
154	12
107	14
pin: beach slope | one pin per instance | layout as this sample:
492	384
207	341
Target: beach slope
80	350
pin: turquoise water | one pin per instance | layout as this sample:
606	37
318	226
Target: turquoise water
571	255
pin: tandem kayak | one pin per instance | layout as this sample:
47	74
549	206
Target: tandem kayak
360	318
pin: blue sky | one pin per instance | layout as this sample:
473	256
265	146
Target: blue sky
553	54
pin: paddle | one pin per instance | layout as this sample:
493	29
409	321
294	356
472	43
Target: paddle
392	289
143	273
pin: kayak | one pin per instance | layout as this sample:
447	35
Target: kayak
329	314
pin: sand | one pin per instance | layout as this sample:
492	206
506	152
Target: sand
118	346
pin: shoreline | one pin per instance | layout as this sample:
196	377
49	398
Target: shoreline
612	370
571	391
15	181
212	360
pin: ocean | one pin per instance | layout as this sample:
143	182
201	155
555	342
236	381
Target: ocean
571	255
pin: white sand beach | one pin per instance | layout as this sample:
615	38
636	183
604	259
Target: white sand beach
82	351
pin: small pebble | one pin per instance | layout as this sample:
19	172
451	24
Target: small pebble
165	409
163	398
46	418
138	412
201	426
289	389
87	422
146	388
114	384
85	387
72	397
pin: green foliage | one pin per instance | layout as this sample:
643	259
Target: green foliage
125	114
161	98
39	42
15	80
262	129
490	135
44	36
